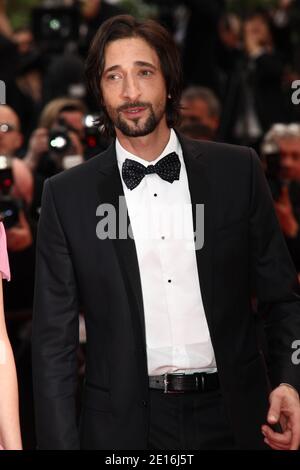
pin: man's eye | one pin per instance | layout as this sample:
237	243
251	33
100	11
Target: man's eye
146	73
113	77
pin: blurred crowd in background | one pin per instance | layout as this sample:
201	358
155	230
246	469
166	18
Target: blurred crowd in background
241	76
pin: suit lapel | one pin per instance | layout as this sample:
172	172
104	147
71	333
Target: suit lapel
110	189
200	186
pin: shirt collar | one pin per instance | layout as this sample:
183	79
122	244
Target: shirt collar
172	146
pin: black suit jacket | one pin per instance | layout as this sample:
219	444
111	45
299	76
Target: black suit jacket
244	253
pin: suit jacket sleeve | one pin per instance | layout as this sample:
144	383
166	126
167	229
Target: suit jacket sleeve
274	280
55	333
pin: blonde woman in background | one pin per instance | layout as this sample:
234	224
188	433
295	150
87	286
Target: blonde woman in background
10	435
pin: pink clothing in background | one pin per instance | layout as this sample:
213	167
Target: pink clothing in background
4	263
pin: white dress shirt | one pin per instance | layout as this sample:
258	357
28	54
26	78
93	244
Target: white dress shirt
160	213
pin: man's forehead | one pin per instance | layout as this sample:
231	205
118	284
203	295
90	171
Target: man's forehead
290	141
129	50
290	144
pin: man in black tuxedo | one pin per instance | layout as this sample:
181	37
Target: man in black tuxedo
172	359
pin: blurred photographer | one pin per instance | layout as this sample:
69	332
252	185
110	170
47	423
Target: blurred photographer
200	113
19	236
66	137
255	98
16	195
281	154
64	116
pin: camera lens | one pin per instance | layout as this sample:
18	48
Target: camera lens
58	143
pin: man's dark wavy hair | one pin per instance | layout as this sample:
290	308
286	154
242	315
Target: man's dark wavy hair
126	26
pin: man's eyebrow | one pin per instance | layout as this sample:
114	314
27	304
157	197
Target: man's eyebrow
110	69
139	63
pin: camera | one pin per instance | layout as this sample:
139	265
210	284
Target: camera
61	147
53	26
9	206
94	139
59	140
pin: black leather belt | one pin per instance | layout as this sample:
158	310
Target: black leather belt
179	383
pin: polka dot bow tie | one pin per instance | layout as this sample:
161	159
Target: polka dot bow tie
168	168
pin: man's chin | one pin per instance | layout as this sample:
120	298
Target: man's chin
135	132
131	130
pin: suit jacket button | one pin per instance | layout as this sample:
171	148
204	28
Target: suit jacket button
144	403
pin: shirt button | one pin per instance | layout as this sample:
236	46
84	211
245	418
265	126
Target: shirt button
169	280
155	195
162	237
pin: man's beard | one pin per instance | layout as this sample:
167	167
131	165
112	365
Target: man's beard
137	129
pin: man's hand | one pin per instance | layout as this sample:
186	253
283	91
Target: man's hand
38	144
285	215
284	409
5	26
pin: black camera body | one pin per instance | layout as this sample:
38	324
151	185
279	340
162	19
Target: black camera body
9	206
59	140
55	26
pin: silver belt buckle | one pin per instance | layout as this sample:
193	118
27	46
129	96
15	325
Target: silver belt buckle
165	383
202	382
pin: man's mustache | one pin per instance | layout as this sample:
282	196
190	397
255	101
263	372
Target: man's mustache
128	106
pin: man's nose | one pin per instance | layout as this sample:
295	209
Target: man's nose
131	89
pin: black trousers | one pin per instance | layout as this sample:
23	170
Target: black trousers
191	420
